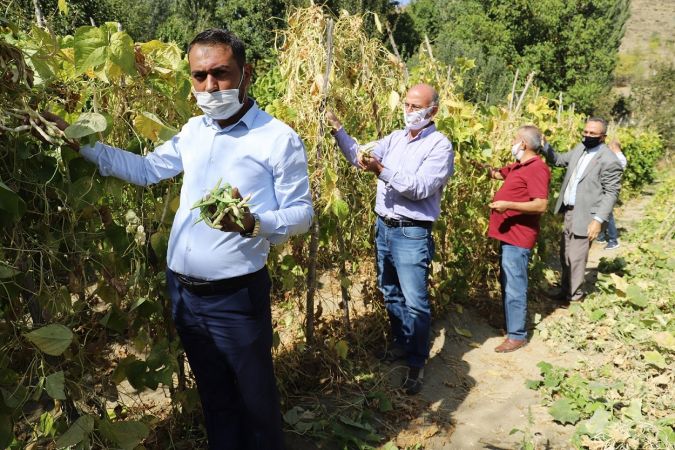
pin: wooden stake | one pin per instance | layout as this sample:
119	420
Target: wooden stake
314	237
513	90
530	77
398	55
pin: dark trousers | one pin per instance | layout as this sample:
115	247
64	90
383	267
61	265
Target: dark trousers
228	341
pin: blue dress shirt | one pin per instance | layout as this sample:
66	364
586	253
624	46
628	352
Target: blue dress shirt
259	154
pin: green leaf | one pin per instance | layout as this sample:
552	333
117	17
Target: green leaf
159	242
634	410
122	52
667	436
383	401
636	296
340	209
292	416
563	411
7	271
663	339
151	127
52	339
6	430
125	434
597	315
55	384
90	45
12	207
78	431
63	7
655	358
533	384
597	423
463	332
342	348
115	320
86	124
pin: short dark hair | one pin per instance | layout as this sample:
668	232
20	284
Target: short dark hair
218	36
601	121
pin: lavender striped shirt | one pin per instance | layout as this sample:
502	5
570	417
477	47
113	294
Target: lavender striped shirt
415	172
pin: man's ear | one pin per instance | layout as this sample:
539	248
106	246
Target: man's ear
248	75
434	111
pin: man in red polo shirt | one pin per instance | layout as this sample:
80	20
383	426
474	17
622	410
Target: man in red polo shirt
514	222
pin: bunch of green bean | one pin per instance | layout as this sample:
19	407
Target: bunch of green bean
366	149
219	203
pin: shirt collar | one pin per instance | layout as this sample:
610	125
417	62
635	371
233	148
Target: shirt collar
528	162
247	119
426	131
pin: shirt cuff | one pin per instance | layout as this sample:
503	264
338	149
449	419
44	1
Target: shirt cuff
268	224
386	174
598	219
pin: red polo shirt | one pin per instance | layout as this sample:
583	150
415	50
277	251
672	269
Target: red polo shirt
522	183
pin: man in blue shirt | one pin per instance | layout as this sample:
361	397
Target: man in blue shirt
412	166
217	279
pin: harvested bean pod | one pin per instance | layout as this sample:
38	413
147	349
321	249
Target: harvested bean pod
218	204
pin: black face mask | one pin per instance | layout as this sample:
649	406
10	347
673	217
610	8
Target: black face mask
590	142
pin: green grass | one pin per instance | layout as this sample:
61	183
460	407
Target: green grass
621	393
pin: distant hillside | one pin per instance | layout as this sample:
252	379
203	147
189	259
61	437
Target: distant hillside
649	38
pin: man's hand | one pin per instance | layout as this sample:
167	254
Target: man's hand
500	206
247	219
333	120
593	229
479	165
61	125
615	146
370	164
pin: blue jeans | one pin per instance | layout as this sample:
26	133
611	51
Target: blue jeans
513	278
404	257
609	228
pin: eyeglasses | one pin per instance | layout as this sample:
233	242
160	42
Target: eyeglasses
413	107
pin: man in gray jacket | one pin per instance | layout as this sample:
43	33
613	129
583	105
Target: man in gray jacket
587	195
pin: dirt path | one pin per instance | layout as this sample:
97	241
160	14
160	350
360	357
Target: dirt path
482	393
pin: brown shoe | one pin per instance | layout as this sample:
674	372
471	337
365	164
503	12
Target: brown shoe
510	345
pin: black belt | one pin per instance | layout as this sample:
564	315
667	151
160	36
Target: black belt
405	222
214	287
568	207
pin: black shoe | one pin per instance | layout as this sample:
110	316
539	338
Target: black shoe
390	354
560	297
413	382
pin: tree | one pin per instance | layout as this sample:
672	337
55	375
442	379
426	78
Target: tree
571	45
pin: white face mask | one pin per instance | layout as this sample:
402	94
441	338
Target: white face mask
417	120
220	105
517	151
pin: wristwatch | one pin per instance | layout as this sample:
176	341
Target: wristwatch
256	227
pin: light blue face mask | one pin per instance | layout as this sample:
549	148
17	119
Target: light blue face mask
220	105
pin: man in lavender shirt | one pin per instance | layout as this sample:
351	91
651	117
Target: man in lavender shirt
412	166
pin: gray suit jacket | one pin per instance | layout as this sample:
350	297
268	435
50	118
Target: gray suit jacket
598	188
